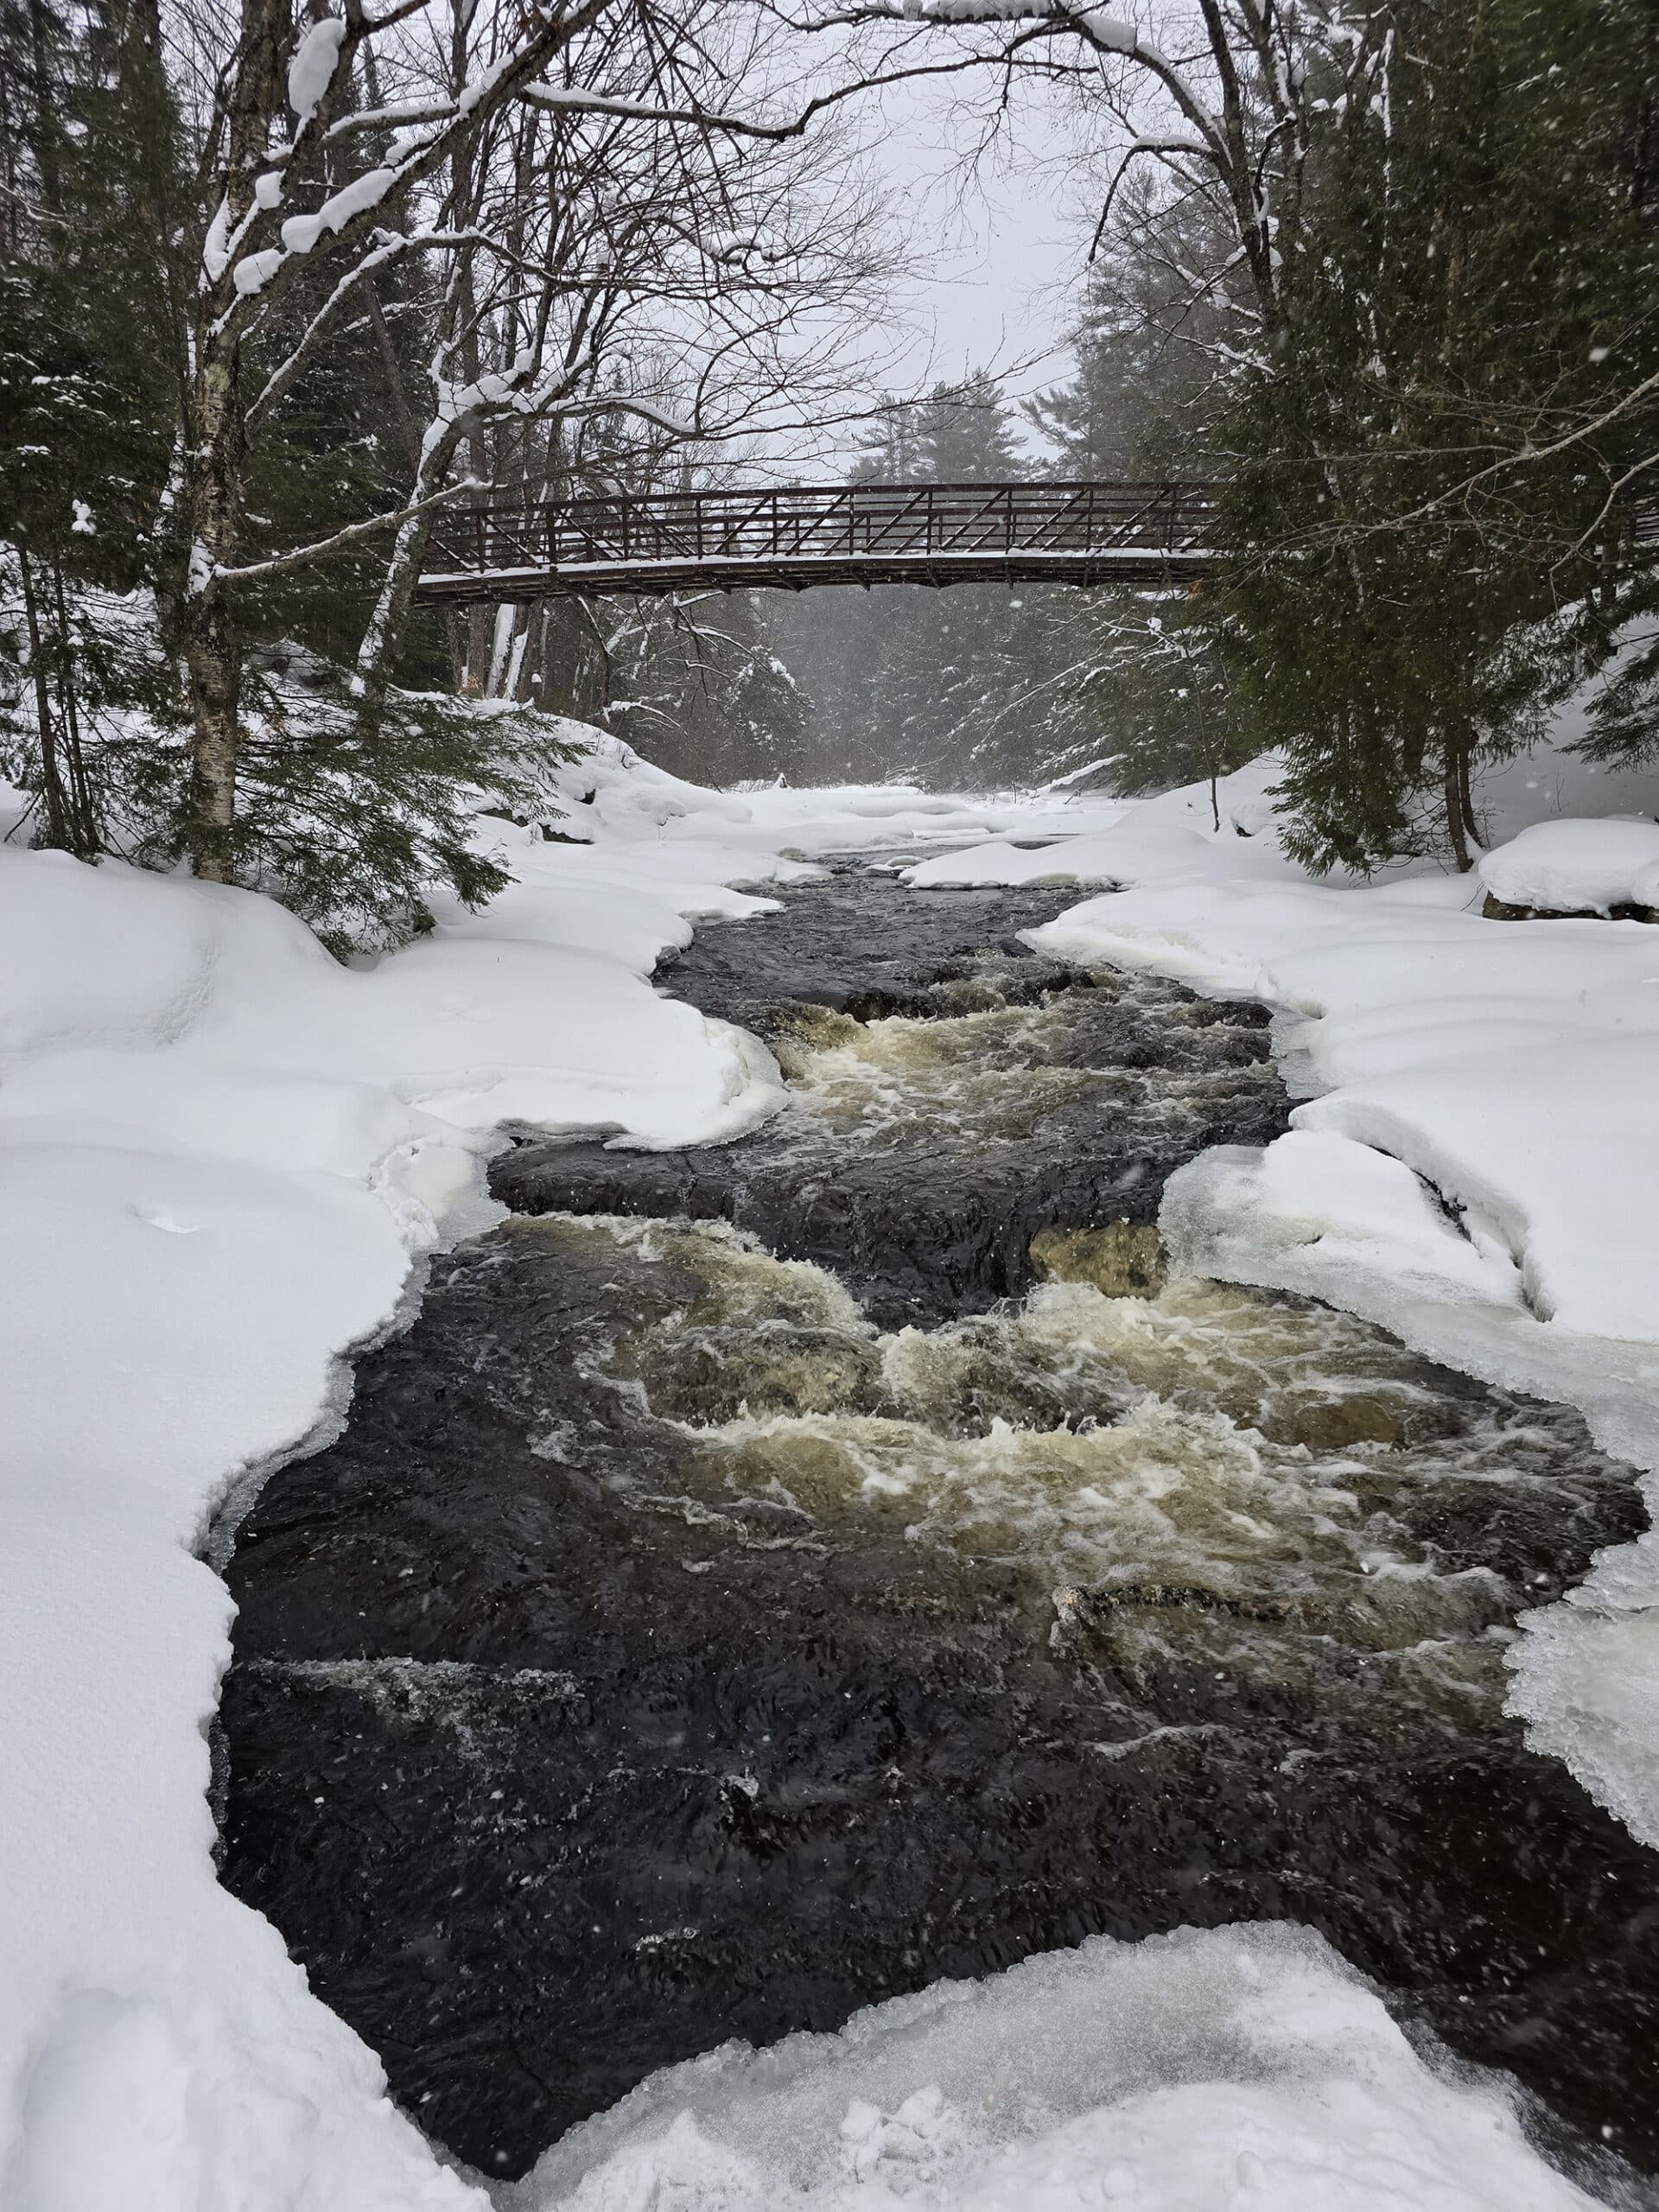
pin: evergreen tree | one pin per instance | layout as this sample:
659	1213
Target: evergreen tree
90	363
697	687
1134	678
1419	564
925	683
964	434
887	450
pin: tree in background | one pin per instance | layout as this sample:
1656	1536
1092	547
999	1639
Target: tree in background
282	283
1433	476
91	361
1136	678
1000	686
698	688
923	682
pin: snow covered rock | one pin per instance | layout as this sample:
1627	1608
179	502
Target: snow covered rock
1573	867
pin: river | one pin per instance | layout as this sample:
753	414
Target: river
770	1578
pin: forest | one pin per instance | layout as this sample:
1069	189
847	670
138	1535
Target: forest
279	287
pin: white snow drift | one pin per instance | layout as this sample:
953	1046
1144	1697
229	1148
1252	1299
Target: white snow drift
1577	866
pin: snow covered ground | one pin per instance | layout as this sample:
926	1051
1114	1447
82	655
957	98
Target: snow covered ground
222	1159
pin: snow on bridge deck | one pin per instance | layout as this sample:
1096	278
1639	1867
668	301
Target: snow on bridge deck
793	535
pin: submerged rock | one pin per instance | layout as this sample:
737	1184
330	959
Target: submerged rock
1123	1259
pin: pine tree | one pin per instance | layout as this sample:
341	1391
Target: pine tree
964	434
89	386
1135	679
1417	563
925	683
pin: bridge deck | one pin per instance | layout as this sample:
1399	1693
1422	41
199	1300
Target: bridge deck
794	535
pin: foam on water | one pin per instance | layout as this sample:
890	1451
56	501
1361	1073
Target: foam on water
1209	1461
898	1080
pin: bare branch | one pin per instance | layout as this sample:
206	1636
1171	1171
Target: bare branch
324	548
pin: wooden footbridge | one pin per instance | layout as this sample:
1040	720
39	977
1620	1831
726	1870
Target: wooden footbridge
793	535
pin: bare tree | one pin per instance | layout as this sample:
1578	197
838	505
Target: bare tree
637	280
273	123
579	183
1223	95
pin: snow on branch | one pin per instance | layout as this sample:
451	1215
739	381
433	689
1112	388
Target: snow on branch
416	148
1098	27
311	72
618	403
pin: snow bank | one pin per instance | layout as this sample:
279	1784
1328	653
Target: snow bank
610	788
1247	2067
1511	1068
1126	841
1577	866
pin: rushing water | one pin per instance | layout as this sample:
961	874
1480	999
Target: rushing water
768	1579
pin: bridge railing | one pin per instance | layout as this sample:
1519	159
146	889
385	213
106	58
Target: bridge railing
793	523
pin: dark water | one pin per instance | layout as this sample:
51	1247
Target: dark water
813	1576
998	1098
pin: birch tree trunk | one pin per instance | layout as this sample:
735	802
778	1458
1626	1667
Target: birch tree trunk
213	651
253	253
218	439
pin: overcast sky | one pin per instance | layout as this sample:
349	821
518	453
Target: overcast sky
1005	250
1000	298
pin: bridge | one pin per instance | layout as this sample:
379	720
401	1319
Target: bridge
793	535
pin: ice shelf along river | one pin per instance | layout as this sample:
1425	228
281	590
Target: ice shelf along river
770	1578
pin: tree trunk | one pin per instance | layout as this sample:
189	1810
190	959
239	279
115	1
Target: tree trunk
397	392
534	620
1465	796
1452	790
52	791
385	634
81	813
212	647
46	127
